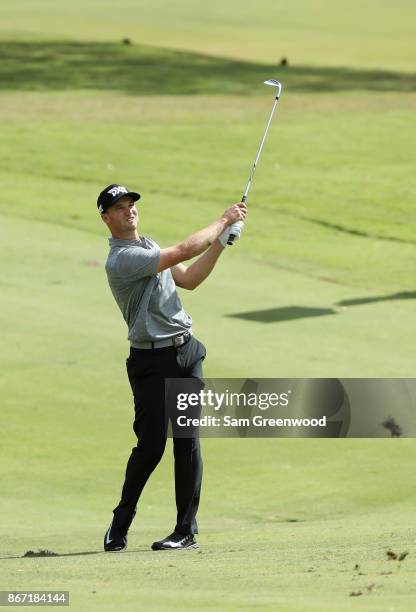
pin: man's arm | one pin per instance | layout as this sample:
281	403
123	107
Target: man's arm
200	241
190	278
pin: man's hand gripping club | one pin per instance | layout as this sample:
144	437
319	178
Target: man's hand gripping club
236	227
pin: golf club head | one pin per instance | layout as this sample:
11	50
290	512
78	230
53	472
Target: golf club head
274	83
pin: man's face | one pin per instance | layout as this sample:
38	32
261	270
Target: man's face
122	216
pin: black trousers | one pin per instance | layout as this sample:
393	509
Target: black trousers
147	370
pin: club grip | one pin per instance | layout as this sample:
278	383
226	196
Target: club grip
231	237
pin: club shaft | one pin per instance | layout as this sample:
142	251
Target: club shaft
253	169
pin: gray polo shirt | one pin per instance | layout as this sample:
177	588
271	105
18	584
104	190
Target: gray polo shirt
148	300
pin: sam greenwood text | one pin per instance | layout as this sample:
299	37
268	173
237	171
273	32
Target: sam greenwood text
256	421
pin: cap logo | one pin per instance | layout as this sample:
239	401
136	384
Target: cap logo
116	190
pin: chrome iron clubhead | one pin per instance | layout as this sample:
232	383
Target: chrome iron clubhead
274	83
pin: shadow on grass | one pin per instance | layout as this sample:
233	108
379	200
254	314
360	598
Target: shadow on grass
285	313
144	70
354	232
73	554
403	295
290	313
51	556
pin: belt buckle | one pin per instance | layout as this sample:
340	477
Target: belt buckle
178	341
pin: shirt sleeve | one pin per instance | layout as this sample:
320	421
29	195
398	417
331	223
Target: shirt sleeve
138	262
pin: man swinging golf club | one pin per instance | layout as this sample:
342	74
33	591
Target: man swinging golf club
143	279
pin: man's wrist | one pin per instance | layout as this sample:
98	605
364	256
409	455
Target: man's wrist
223	237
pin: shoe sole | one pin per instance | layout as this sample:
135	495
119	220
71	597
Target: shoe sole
194	546
120	550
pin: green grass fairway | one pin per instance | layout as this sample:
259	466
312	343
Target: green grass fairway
330	220
291	525
322	284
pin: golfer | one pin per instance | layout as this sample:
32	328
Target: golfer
143	279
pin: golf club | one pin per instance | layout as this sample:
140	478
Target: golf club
272	83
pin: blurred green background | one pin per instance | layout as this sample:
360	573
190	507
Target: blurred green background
178	115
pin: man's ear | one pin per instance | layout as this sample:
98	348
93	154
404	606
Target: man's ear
105	218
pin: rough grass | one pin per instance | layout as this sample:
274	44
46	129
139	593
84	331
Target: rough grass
360	33
143	70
